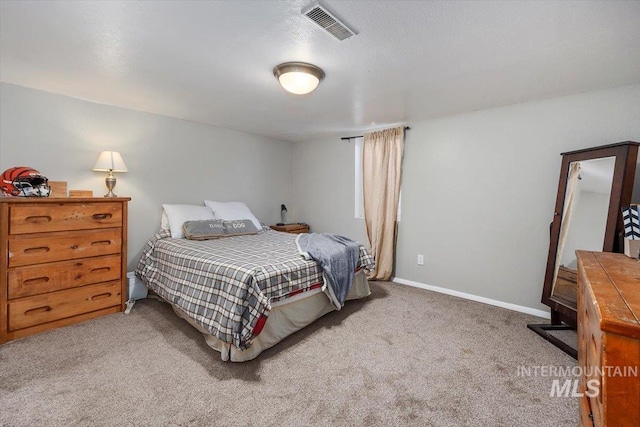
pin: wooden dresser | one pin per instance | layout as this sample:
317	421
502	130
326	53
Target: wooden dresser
609	338
63	261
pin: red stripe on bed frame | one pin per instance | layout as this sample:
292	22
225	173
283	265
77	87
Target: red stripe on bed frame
259	325
263	319
299	291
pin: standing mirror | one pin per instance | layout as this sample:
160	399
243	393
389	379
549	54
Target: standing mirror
595	183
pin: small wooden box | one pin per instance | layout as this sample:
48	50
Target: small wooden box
58	189
80	193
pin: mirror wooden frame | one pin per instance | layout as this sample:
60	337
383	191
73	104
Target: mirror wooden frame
626	153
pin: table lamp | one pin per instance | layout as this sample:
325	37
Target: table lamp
110	161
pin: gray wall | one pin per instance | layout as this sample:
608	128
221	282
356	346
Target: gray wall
324	188
478	189
169	160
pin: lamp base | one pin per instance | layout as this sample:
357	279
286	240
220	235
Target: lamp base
110	182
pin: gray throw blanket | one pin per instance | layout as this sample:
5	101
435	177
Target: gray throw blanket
338	257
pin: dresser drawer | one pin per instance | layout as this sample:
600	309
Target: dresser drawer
70	216
43	278
36	310
29	250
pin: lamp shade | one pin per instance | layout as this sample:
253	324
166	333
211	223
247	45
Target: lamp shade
110	161
298	77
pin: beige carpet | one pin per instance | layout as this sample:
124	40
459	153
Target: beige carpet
403	356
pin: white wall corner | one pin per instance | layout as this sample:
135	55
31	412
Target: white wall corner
501	304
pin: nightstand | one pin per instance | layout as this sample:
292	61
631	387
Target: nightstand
294	228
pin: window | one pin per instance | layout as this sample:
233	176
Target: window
359	198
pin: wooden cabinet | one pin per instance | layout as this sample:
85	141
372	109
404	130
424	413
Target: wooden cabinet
295	228
609	339
63	261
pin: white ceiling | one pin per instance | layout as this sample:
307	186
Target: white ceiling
212	61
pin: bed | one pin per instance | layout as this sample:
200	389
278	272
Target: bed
244	293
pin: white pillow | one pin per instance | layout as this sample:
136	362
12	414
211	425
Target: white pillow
164	221
232	211
179	214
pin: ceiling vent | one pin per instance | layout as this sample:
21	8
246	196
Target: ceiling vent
328	22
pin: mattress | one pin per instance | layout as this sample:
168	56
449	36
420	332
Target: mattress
229	286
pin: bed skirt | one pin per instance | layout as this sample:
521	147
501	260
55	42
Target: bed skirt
284	319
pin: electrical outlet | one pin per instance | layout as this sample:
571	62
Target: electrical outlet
420	259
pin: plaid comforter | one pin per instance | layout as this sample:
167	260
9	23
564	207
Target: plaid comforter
226	285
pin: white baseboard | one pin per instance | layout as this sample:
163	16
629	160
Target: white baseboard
502	304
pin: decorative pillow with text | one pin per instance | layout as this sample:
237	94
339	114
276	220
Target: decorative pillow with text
217	228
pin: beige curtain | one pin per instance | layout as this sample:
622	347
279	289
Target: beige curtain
572	182
381	175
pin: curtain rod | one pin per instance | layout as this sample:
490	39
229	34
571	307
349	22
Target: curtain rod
349	138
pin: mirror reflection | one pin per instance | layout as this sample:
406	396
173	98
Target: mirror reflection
584	221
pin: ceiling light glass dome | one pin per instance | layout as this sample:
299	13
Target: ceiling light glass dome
298	77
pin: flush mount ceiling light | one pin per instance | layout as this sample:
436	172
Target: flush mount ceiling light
298	77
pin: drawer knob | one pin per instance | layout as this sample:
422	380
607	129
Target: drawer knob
100	216
100	270
36	280
38	310
38	219
101	242
39	249
100	296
